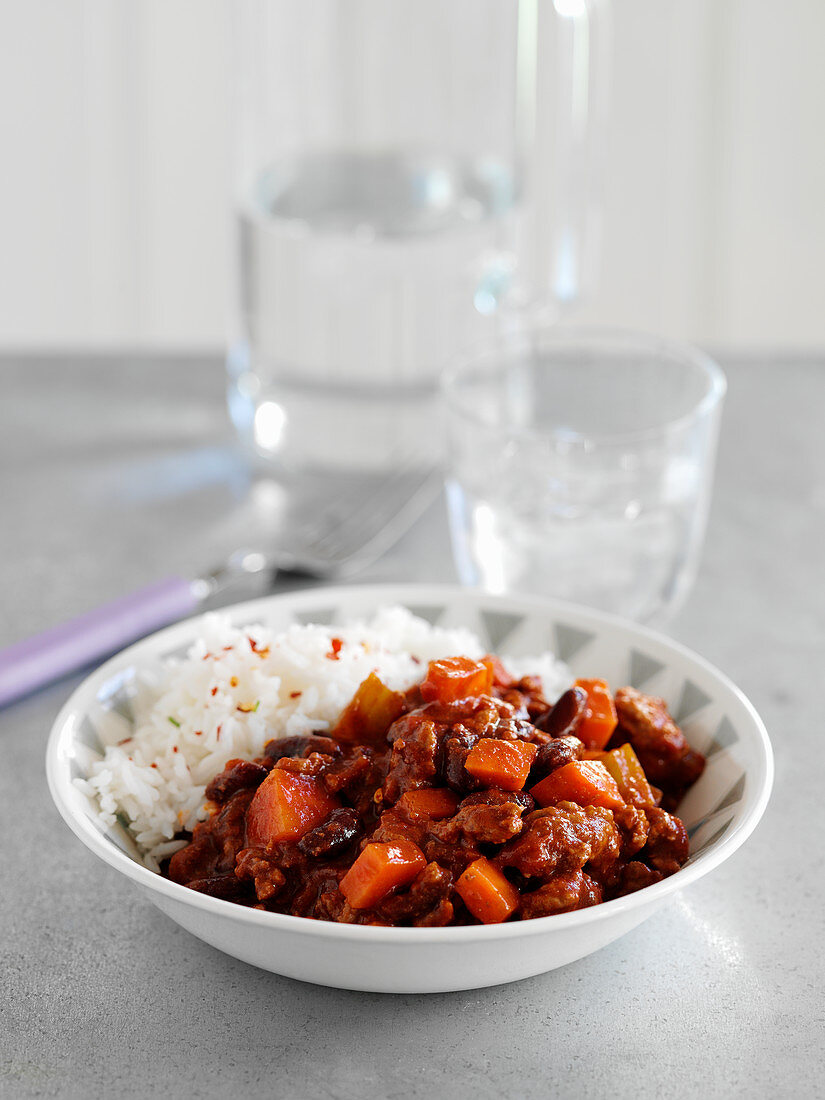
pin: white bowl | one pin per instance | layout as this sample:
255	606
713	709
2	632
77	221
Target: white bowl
720	811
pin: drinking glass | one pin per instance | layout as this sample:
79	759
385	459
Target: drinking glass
580	465
405	175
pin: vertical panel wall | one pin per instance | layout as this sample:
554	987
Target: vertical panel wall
113	189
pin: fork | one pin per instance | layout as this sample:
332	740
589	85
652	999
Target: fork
336	541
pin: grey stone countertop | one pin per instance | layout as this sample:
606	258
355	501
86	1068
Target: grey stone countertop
114	473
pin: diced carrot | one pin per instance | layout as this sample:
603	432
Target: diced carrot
286	806
585	782
504	764
428	803
600	718
370	713
452	678
379	869
489	896
623	764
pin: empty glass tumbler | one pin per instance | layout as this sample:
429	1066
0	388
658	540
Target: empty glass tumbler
580	466
407	175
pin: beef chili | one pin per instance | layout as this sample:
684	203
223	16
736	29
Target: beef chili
466	799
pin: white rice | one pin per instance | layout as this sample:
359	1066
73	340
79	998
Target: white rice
235	690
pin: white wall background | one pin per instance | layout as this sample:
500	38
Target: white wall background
113	177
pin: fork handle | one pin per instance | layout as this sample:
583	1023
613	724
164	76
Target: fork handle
35	662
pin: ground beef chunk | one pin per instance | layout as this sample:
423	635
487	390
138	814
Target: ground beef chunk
660	745
635	876
355	777
525	695
484	716
668	845
438	916
634	826
258	866
562	894
488	817
317	894
455	856
315	764
490	717
432	887
392	826
345	773
413	762
647	721
562	838
328	904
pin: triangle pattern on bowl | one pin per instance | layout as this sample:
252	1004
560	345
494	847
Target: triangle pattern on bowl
712	839
87	735
691	700
430	612
733	796
117	695
499	625
724	737
642	668
570	640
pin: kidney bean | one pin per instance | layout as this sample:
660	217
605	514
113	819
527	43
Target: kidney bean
564	717
238	775
555	754
218	886
332	836
301	746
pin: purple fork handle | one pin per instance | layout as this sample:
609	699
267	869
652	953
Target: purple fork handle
38	661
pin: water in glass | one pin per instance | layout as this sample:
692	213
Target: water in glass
362	274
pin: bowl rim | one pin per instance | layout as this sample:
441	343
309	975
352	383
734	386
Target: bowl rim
60	781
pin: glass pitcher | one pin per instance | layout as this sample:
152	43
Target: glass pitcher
409	179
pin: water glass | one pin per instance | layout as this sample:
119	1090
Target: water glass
404	174
580	466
